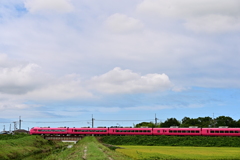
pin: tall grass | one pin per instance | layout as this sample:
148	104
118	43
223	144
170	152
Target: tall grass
200	141
20	146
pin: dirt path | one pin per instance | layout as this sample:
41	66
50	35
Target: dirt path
85	153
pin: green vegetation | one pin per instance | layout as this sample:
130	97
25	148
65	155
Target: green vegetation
200	141
10	136
201	122
88	148
21	146
177	153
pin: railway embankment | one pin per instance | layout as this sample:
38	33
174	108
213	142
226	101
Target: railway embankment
24	146
197	141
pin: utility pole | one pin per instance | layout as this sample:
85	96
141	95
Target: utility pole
155	120
92	121
20	122
4	128
214	124
15	125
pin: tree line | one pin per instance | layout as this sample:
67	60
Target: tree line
201	122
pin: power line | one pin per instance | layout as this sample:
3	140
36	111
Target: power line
55	121
124	120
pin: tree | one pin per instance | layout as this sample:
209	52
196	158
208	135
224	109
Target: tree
170	122
200	122
225	121
204	122
145	124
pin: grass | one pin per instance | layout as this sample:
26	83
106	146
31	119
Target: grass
177	153
88	148
22	146
200	141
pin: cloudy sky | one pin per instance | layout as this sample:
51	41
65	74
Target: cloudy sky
121	61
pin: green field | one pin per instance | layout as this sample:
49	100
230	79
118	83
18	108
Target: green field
88	148
26	147
174	153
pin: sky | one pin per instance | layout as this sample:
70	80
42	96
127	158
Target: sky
121	62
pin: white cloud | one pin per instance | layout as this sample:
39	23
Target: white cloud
61	6
18	79
214	23
120	23
200	15
189	8
126	81
66	88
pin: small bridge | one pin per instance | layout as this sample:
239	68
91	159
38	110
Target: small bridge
64	138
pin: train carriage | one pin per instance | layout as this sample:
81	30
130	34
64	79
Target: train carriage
88	131
130	131
177	131
221	131
48	131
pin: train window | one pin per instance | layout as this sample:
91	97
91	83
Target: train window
132	130
211	131
175	131
231	132
170	131
179	131
197	131
183	131
144	131
236	131
216	131
192	131
221	131
136	131
149	131
140	130
226	131
117	130
158	131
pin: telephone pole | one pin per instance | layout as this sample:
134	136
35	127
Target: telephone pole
92	121
15	125
20	122
155	120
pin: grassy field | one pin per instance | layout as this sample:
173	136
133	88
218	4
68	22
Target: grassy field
183	153
25	146
88	148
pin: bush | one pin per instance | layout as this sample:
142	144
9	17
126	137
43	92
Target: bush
173	141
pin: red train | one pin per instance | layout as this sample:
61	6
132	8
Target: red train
137	131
